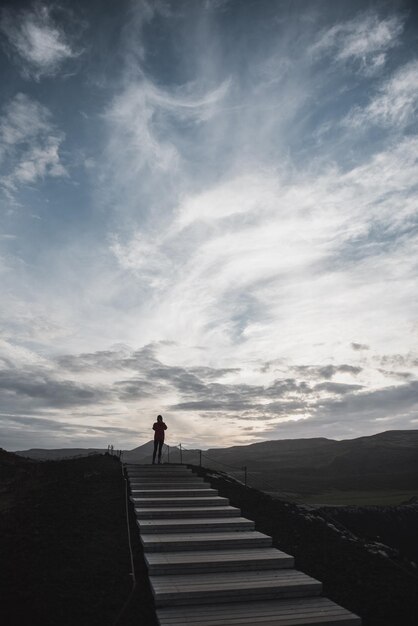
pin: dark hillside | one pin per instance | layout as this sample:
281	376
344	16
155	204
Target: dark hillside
363	576
323	470
64	550
45	454
395	526
372	452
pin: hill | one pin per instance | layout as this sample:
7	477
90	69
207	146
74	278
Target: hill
170	454
44	454
63	543
380	468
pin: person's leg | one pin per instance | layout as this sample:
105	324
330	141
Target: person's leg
155	451
160	447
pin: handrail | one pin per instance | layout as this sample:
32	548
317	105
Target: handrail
236	468
324	514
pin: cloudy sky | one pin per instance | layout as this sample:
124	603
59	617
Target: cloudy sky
209	210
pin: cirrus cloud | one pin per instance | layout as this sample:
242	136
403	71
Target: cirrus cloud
38	43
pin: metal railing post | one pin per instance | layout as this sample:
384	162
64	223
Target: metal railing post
245	475
200	458
181	454
168	454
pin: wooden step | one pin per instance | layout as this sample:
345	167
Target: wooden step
232	587
216	561
314	611
199	525
152	470
206	492
158	479
157	470
166	542
172	483
156	473
167	502
156	466
187	512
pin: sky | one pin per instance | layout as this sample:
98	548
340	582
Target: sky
208	210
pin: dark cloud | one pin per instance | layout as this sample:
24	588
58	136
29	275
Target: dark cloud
398	360
95	361
284	408
337	388
326	371
31	389
219	397
53	425
378	404
281	387
359	346
135	388
201	389
311	394
202	405
210	373
393	374
47	391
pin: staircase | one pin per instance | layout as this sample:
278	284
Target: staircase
208	566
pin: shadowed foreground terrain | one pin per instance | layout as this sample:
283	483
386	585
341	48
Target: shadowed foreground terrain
65	559
368	578
64	549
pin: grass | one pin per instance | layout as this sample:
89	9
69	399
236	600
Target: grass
64	548
361	498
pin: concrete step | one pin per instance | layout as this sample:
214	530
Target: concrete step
232	587
178	542
314	611
187	512
199	525
205	492
216	561
149	503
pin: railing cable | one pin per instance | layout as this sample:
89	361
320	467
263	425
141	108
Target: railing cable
132	573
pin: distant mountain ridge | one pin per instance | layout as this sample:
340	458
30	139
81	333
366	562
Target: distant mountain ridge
387	459
46	454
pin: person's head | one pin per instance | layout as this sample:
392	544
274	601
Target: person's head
159	418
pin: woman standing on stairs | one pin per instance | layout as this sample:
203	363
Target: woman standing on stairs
159	427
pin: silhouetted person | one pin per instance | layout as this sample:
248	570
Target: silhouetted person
159	428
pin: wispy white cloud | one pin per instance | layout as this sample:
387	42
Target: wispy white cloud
259	275
29	144
364	41
395	103
38	43
143	121
265	259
